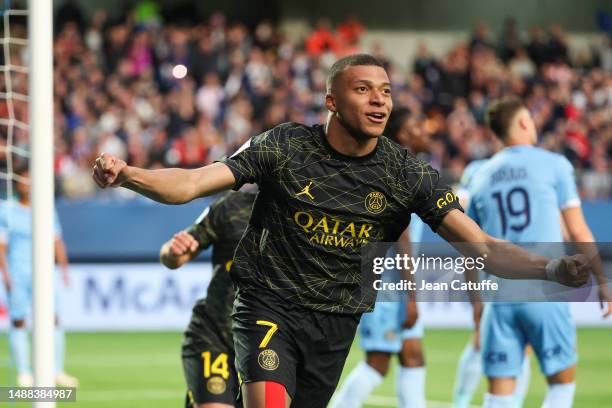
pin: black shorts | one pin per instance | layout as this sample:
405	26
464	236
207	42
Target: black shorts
208	365
303	350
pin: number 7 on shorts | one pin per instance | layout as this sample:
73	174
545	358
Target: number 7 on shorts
273	328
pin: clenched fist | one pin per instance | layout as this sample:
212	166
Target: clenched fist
183	243
570	270
108	171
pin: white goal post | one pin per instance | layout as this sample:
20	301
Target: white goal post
40	38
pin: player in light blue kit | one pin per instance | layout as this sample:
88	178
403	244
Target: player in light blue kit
469	370
517	196
16	267
393	327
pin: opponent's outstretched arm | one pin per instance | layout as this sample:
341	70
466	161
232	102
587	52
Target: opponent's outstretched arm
168	186
508	260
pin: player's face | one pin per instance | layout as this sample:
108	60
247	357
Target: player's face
414	135
361	99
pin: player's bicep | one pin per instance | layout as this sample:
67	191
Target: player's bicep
212	179
458	227
464	234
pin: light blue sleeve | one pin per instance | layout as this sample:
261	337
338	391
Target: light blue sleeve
464	181
471	211
467	178
565	185
57	227
469	173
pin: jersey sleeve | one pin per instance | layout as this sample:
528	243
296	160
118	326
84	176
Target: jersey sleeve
434	198
471	211
565	185
258	158
206	228
203	230
467	177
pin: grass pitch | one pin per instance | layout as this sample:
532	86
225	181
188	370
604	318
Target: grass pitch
142	370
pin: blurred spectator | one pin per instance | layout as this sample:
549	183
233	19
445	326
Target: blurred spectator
68	12
481	38
322	39
537	47
119	88
210	95
520	64
510	40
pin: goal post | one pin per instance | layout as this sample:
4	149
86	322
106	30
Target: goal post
40	38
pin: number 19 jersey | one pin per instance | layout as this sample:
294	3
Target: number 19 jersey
518	193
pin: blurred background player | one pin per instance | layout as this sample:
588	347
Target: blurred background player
208	350
521	204
393	327
16	266
469	370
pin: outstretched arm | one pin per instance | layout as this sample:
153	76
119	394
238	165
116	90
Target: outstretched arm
507	260
168	186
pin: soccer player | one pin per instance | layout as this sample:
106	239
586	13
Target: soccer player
393	327
327	194
208	351
16	267
469	370
517	196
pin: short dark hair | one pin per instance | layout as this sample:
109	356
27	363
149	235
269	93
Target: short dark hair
350	61
395	123
500	114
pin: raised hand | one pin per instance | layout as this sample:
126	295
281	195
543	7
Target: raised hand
108	171
605	302
183	243
570	270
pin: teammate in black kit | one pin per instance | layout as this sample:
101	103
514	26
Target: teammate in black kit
327	193
208	351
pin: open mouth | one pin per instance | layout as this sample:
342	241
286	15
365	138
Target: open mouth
376	117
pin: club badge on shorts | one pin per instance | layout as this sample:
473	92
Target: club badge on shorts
268	360
216	385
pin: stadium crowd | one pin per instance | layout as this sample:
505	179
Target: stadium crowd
118	89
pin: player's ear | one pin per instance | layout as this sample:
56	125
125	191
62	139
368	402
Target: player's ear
330	102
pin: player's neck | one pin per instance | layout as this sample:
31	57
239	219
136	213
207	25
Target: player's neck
342	141
518	140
